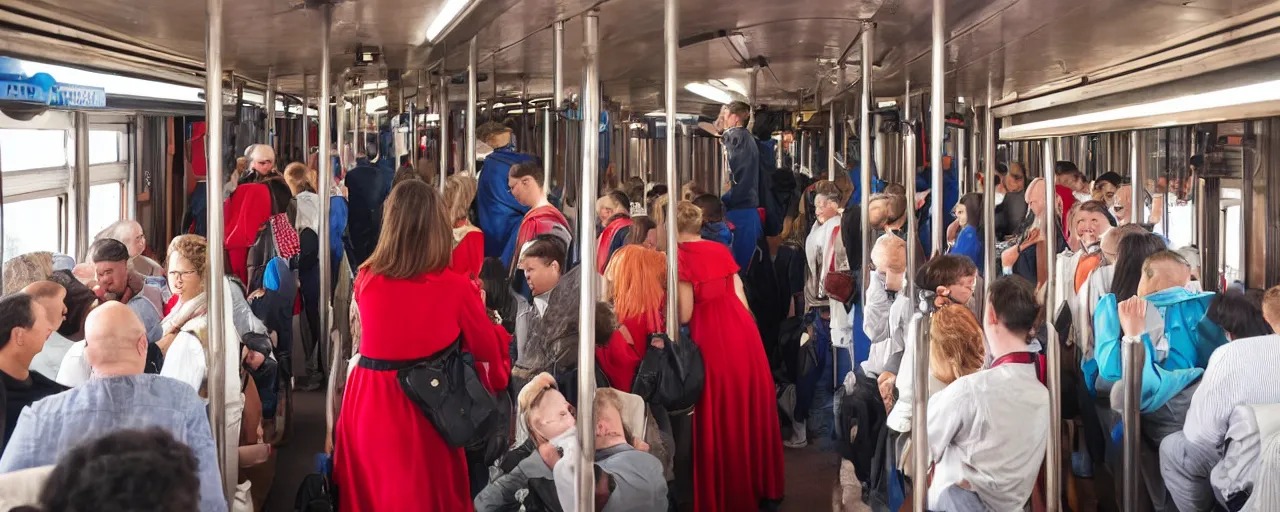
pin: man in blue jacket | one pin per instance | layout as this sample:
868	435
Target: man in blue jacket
499	212
742	200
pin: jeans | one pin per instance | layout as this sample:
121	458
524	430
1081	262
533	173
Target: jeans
958	499
816	393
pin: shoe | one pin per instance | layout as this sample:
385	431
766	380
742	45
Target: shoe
799	437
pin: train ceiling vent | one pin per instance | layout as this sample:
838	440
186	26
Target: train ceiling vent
302	5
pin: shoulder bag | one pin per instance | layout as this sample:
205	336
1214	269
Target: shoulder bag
671	376
838	285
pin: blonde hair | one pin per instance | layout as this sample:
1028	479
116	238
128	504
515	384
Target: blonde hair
194	249
242	163
1271	305
459	192
299	178
659	212
415	239
955	343
639	277
688	218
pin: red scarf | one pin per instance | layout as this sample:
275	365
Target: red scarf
606	239
1023	358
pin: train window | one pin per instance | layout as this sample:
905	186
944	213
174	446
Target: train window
104	206
23	149
104	146
31	225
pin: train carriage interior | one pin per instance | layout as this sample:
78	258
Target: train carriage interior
1062	215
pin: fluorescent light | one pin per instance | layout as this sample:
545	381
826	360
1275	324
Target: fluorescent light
735	86
1170	112
709	92
433	118
887	104
451	10
375	104
373	86
960	99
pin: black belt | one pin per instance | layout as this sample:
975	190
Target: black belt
388	365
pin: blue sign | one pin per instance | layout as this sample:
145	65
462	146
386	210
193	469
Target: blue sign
41	88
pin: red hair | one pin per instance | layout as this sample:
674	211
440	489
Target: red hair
639	277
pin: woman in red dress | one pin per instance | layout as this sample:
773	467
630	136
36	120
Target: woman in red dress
388	456
636	281
737	444
468	240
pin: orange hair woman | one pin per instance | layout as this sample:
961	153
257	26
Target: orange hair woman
637	288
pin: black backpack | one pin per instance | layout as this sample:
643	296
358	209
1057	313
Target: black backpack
314	496
775	189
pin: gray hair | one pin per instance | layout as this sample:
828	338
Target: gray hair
255	151
121	230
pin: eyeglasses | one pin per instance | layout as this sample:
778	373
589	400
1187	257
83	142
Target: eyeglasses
179	274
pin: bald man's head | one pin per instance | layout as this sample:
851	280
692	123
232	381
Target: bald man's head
1111	239
115	340
53	297
1163	270
890	254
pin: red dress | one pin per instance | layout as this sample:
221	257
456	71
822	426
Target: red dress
619	359
737	444
388	456
468	252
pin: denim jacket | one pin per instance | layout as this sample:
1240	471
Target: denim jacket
49	428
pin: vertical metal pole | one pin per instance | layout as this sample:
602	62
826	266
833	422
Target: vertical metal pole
1137	182
80	187
909	180
831	142
989	136
936	126
473	58
445	152
808	158
962	170
269	102
586	232
325	177
215	282
340	105
671	44
752	98
1133	354
976	163
306	119
1053	455
135	169
918	333
864	145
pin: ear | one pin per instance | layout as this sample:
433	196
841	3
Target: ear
990	315
142	346
943	291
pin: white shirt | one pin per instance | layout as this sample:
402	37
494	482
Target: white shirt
74	369
50	357
990	429
1239	373
818	258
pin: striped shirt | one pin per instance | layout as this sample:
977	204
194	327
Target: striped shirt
1239	373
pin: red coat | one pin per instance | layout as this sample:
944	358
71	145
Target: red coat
388	456
468	252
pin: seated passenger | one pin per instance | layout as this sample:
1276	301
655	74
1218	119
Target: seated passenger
129	233
614	213
51	296
1167	318
951	281
634	477
120	397
1239	373
24	327
525	182
150	470
988	430
636	284
116	282
714	227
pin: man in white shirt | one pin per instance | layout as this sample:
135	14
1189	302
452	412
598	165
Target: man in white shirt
1239	373
987	431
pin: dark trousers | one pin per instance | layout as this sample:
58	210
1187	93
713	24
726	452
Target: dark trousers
314	335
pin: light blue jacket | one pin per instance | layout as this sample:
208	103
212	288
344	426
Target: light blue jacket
1189	336
49	428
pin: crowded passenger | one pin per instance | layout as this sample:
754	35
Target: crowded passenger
1069	177
988	430
1027	258
25	327
115	282
636	285
367	189
129	233
741	198
51	296
119	397
887	308
613	211
498	209
714	227
967	241
1011	211
411	307
543	262
525	184
734	469
644	231
261	165
1238	374
468	241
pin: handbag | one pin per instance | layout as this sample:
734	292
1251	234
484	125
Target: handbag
838	285
447	390
671	376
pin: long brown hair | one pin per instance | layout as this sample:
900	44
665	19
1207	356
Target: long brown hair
416	237
955	343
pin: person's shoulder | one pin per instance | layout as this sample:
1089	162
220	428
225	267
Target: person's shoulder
171	391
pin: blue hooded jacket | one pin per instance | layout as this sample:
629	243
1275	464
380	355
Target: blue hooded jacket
498	211
1190	336
744	170
950	195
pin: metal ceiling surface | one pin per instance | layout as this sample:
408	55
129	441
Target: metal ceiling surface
1017	45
